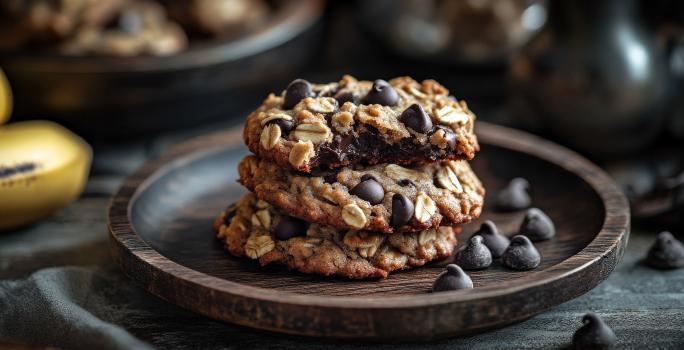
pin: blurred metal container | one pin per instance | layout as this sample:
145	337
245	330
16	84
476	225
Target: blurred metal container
595	77
455	32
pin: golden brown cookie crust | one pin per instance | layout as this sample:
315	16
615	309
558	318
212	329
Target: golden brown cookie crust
323	128
326	199
246	230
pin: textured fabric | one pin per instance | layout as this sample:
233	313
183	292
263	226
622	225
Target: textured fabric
69	307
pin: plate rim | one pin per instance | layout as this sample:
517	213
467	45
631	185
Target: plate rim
611	239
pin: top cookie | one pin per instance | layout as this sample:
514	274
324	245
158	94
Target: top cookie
349	122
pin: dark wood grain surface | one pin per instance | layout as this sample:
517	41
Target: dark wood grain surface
160	225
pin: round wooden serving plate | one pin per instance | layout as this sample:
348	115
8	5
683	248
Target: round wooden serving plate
160	224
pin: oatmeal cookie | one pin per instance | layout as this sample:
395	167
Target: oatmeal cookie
384	197
331	125
259	231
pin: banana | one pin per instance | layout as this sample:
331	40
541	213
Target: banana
5	99
43	167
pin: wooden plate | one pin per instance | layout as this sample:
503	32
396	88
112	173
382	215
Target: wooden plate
160	224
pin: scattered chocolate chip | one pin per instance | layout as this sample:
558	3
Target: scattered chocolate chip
368	176
521	254
666	253
537	226
406	182
381	93
346	96
452	278
369	190
594	334
415	118
285	125
514	196
475	256
298	90
402	210
289	227
493	239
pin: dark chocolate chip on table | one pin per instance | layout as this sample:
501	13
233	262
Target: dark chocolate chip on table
666	253
493	239
381	93
594	334
415	118
514	196
521	254
289	227
475	256
369	190
452	278
537	226
298	90
402	210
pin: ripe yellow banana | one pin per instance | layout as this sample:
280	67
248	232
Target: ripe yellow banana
5	99
43	167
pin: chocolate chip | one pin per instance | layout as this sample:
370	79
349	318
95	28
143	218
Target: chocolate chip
402	210
475	256
346	96
298	90
368	176
521	254
406	182
514	196
415	118
537	226
369	190
381	93
285	125
452	278
493	239
666	253
594	334
289	227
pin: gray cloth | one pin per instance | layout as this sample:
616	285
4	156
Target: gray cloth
71	308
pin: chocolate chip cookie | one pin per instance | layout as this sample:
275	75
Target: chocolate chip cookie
384	197
402	121
255	229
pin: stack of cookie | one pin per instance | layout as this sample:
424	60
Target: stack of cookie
355	178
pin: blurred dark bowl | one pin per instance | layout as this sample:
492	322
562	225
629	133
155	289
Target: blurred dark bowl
110	98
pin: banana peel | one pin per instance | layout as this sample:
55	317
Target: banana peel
43	167
5	99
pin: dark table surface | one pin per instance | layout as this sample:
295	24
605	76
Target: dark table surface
645	307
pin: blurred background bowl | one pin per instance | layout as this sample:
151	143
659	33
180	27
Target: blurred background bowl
111	98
